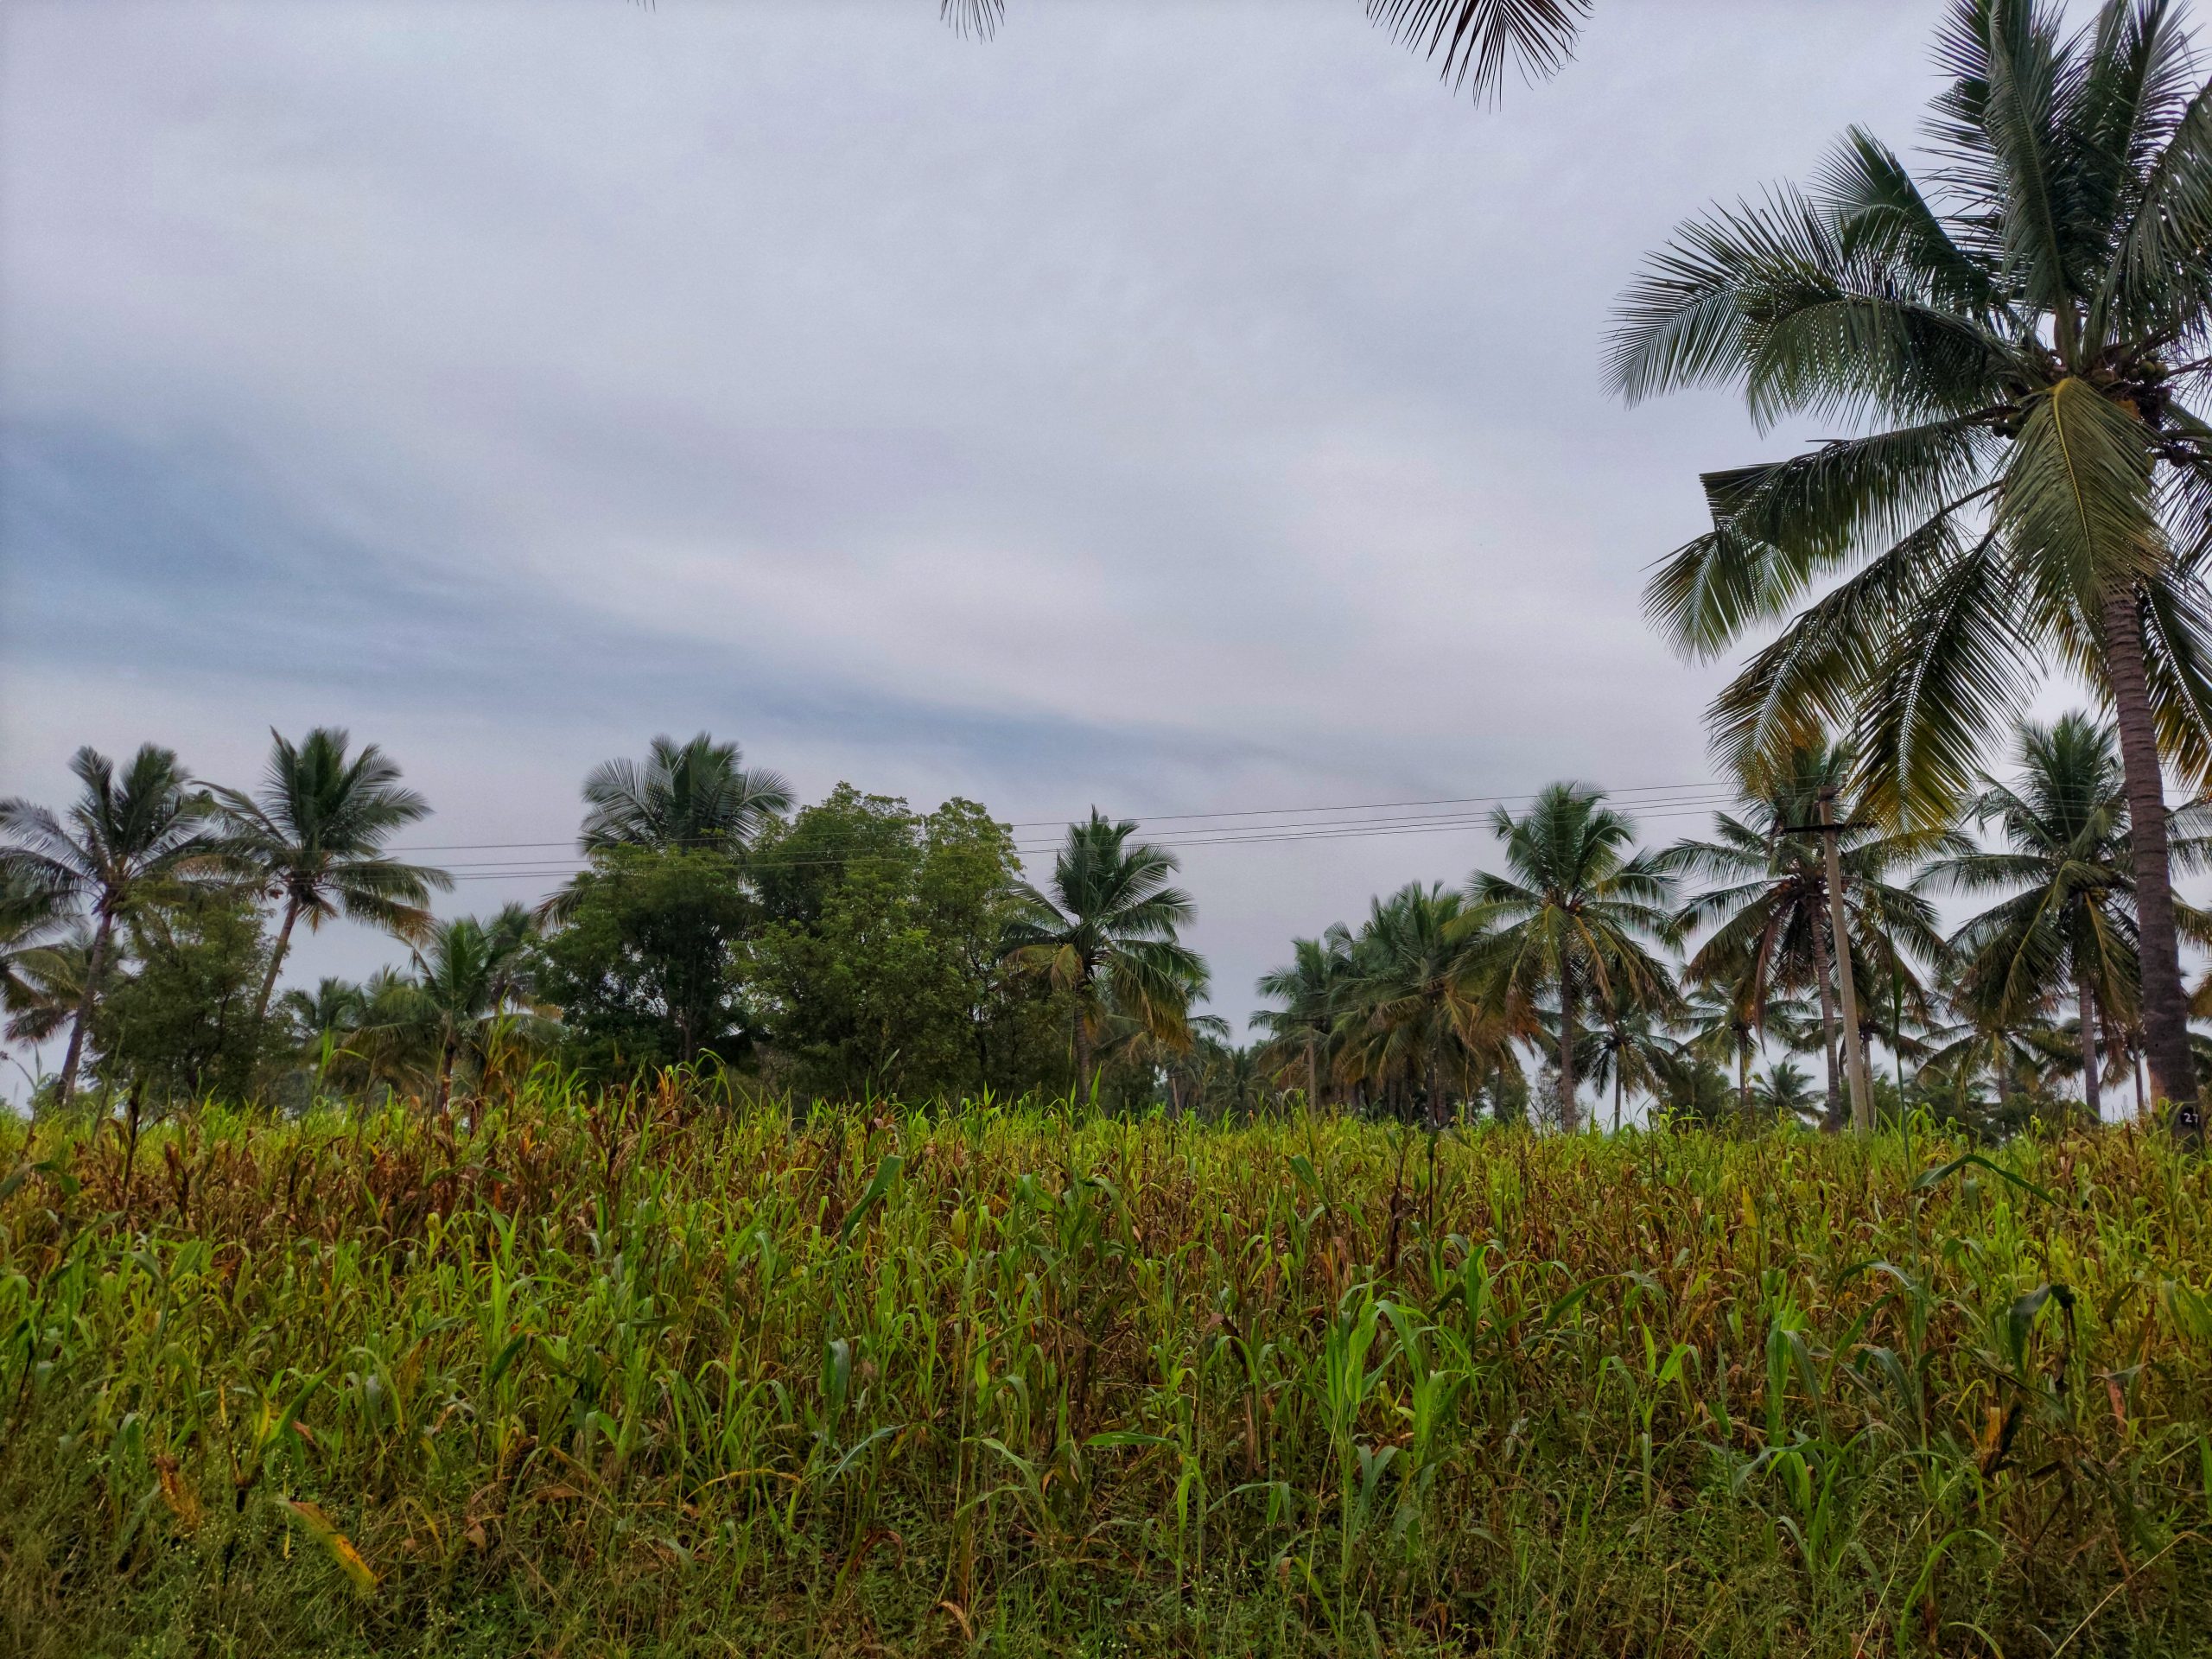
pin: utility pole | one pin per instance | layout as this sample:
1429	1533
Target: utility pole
1854	1052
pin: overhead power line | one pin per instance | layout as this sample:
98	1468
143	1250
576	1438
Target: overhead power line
1638	797
1194	837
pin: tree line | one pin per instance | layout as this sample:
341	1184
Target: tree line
856	947
848	948
1691	976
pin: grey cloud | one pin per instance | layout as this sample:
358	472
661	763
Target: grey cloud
1168	408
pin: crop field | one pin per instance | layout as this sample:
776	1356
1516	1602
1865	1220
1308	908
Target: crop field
661	1372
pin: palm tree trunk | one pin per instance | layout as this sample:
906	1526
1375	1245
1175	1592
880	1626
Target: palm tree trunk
1082	1059
1617	1093
445	1074
2166	1011
1569	1118
1435	1094
1743	1084
95	961
1313	1076
2092	1094
1833	1119
276	961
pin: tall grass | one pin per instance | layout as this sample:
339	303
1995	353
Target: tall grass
658	1373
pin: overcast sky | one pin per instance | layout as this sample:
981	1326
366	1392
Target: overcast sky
1172	408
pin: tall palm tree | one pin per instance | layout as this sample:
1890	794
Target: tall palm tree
1765	907
314	837
124	831
2070	917
2024	482
1414	1010
1476	41
1310	989
699	793
1783	1091
1724	1021
1106	931
2013	1047
1573	916
1627	1047
470	978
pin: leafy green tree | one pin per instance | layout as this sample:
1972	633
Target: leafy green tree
1692	1090
878	966
315	834
123	833
645	963
44	989
1765	910
1575	918
1727	1023
2025	483
323	1028
1105	933
177	1023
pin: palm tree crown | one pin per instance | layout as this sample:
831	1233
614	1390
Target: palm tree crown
1106	930
1311	990
124	831
2028	485
469	976
1573	916
314	837
688	795
1415	1015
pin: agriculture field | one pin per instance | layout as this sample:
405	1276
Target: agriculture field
663	1374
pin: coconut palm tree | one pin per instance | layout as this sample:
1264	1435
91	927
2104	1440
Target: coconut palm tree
1106	931
471	979
2023	482
1311	990
1627	1046
1783	1091
2011	1046
1476	41
314	837
1764	907
1731	1023
1572	917
1414	1010
683	795
124	832
2068	919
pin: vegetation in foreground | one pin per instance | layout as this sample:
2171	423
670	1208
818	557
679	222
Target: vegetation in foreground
667	1372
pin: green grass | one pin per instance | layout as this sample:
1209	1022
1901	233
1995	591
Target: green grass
658	1374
